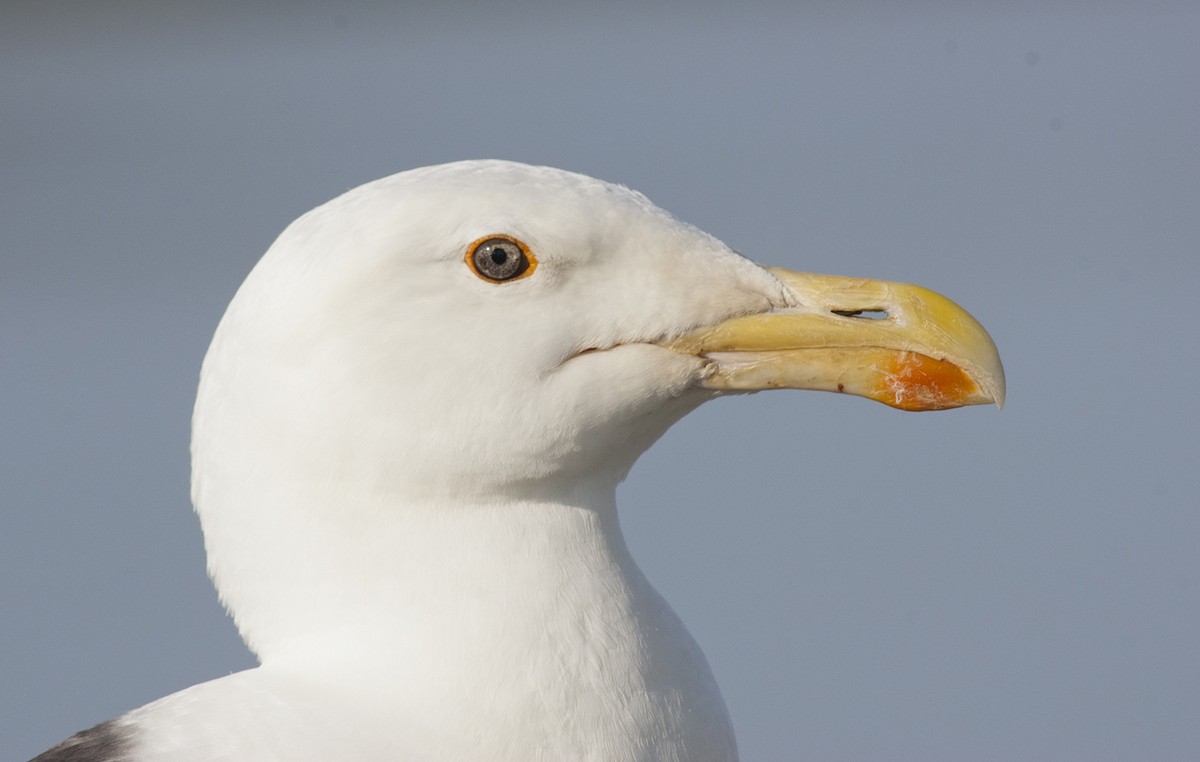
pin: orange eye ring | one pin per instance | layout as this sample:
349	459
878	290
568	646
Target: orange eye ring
500	259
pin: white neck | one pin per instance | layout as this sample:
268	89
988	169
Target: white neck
527	616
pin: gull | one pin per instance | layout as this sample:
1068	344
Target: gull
407	440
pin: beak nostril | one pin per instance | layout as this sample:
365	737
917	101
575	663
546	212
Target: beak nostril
863	314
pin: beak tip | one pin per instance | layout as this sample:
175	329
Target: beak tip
996	385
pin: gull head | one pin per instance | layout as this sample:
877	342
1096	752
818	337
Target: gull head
479	327
487	332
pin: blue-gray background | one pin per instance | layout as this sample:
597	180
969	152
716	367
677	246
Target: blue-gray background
867	584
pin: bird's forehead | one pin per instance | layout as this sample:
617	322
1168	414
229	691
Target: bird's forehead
466	199
516	182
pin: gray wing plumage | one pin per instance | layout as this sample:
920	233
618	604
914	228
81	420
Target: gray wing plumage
110	741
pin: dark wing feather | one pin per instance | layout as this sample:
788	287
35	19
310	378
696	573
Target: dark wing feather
110	741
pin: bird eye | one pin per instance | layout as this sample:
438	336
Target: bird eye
500	258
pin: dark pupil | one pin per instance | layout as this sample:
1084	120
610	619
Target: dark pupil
499	255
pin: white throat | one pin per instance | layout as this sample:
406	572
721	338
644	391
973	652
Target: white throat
523	618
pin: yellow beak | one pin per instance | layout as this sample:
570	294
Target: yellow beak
920	351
